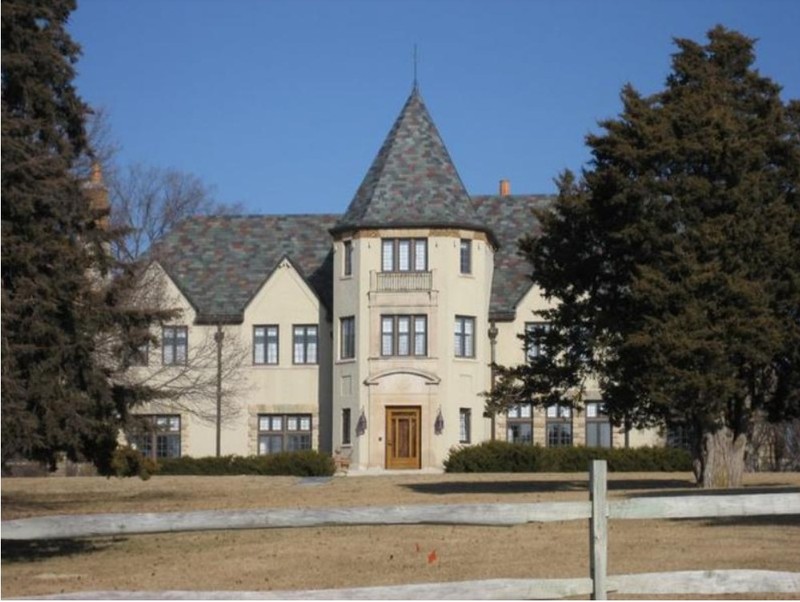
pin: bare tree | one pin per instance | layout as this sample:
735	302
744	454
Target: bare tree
148	202
103	147
193	384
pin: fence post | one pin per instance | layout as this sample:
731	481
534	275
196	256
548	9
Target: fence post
598	529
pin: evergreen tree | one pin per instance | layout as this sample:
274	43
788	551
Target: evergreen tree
675	260
64	333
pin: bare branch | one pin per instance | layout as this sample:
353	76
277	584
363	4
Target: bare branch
149	202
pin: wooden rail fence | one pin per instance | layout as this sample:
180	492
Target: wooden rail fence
598	510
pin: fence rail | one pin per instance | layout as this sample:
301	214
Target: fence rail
98	525
679	582
598	510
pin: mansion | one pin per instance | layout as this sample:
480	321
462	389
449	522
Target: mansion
369	334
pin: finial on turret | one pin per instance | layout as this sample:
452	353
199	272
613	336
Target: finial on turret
416	85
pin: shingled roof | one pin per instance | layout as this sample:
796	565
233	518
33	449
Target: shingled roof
510	217
219	263
412	181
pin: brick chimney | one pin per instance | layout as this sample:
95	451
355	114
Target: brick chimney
97	194
505	187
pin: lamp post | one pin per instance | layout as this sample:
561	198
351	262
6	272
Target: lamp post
493	350
218	337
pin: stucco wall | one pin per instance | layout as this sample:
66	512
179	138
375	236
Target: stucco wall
368	383
437	382
284	300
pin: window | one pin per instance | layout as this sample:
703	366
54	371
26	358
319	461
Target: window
679	435
346	426
283	432
140	356
404	254
174	343
466	256
420	255
534	339
464	336
348	338
559	426
348	258
598	427
305	344
519	425
404	335
158	437
464	425
265	344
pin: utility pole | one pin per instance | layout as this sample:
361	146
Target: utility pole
218	337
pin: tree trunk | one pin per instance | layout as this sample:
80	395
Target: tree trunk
721	459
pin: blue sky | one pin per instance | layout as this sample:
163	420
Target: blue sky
282	105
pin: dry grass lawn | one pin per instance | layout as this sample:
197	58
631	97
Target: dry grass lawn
335	557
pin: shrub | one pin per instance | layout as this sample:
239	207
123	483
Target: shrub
499	456
129	462
306	463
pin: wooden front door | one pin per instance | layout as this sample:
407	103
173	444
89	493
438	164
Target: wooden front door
403	445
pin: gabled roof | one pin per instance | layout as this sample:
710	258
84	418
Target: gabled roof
510	217
219	263
412	181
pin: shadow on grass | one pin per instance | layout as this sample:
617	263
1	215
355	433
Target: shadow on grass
20	504
746	490
535	486
778	520
31	551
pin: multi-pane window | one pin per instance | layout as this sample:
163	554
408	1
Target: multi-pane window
348	258
265	344
534	339
404	254
466	256
174	341
348	338
464	425
465	336
598	427
404	335
559	426
519	425
305	344
141	355
346	426
158	437
283	432
679	435
420	260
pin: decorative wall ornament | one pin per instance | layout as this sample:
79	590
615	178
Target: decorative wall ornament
361	425
438	425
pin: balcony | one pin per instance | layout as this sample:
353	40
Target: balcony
402	282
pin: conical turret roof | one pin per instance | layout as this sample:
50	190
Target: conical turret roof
412	182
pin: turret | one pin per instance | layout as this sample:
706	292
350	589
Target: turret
412	283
